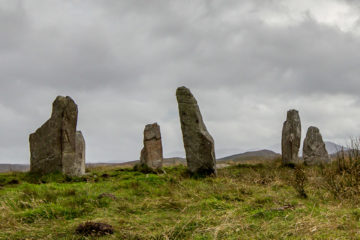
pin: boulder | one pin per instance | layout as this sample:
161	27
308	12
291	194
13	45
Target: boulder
198	143
152	153
53	145
314	150
291	137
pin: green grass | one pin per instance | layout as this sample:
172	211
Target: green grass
243	202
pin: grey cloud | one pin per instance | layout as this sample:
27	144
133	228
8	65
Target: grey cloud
122	60
14	25
165	42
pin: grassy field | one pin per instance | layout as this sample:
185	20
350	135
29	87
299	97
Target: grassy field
243	202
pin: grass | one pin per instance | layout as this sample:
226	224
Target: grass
243	202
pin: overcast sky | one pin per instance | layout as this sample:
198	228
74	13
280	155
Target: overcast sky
247	62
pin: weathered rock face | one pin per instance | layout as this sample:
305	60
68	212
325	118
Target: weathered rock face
152	153
314	150
291	137
78	167
198	143
53	145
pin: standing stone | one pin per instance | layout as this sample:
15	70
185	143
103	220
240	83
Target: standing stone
53	145
79	164
314	150
198	143
152	153
291	137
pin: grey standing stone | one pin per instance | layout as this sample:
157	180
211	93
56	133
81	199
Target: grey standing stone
152	153
78	168
314	150
198	143
291	137
53	145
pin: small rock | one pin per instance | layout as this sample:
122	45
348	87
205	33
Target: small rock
94	229
14	181
105	175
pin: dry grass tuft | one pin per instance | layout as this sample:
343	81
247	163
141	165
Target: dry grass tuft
342	177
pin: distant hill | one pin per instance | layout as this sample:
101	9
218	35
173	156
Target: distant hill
14	168
251	156
167	162
333	148
174	161
242	157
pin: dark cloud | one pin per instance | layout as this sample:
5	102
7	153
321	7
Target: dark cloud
247	62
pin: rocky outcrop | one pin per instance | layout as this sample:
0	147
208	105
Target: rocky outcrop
198	143
291	137
53	145
152	153
314	150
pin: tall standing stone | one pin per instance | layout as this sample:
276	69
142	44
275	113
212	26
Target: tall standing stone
152	153
198	143
53	145
291	137
314	150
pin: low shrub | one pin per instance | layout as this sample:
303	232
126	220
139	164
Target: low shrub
299	180
342	177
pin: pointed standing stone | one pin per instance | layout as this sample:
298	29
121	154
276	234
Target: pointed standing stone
152	153
291	137
198	143
53	145
314	150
